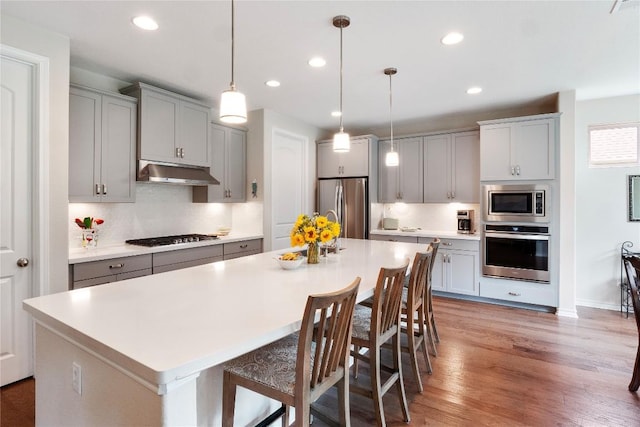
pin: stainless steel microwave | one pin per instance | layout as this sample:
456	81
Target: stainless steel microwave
516	203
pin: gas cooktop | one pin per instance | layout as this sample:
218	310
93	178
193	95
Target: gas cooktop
171	240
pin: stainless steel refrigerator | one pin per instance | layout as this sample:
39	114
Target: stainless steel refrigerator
348	197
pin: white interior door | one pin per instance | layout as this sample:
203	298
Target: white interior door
16	276
288	184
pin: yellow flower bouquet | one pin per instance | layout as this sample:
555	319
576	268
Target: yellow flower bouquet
313	230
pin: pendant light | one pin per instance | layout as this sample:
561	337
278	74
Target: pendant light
391	159
233	105
341	143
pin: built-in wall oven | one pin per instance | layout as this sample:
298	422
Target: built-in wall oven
516	251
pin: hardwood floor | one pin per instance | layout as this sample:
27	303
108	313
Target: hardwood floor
496	366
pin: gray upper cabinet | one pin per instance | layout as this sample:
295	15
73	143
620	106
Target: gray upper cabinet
353	163
102	134
451	168
518	149
173	128
228	165
402	183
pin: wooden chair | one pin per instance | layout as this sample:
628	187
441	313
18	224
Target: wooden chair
432	330
299	368
413	312
632	266
372	327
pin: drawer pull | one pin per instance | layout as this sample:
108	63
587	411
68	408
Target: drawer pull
117	265
244	246
447	244
515	294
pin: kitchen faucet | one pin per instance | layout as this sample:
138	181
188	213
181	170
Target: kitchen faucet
334	245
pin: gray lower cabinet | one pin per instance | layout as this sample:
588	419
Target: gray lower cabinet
109	270
456	268
243	248
183	258
102	138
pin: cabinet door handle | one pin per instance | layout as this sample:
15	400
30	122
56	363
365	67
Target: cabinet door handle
97	188
243	246
514	294
117	265
518	170
178	152
513	170
453	194
104	189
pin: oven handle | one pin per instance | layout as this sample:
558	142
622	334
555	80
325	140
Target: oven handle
517	236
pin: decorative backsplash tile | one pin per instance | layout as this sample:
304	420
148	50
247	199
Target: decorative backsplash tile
428	216
162	209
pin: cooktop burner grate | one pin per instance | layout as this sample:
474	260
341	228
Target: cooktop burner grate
170	240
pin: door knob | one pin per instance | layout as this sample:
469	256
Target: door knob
22	262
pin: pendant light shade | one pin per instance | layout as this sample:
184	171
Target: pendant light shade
392	158
233	105
341	142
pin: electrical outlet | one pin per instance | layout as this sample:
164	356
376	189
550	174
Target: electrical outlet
76	378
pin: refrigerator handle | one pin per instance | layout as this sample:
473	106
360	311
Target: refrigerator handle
340	207
362	203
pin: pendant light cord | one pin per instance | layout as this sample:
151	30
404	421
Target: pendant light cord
341	128
391	109
233	84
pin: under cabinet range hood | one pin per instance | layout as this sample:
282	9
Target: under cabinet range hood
172	173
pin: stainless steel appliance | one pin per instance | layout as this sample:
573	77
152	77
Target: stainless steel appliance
466	221
348	197
516	203
171	240
516	252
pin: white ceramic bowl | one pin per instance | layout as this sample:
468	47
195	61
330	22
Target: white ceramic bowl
291	264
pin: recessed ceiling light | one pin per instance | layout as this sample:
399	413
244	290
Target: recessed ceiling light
145	22
336	113
474	90
452	38
317	62
272	83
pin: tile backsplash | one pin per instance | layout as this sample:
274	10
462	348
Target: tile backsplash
162	209
428	216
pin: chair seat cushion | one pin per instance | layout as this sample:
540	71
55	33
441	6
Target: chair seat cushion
361	322
273	365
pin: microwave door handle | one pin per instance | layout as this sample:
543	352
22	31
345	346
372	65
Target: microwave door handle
517	236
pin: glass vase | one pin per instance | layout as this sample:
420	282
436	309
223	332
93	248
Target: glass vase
312	253
90	238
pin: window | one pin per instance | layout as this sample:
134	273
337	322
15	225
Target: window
614	145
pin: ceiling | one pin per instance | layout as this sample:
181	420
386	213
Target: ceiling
519	52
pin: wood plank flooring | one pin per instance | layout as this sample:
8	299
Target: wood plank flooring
496	366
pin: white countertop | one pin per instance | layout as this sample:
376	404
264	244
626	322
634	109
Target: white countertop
78	255
428	233
165	327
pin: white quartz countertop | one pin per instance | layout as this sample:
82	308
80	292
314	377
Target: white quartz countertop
78	255
428	233
166	327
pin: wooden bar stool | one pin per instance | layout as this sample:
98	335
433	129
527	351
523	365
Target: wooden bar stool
414	312
299	368
432	330
372	327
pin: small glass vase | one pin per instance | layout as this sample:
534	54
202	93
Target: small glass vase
312	253
90	238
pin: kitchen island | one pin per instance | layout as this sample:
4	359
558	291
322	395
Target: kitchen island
147	351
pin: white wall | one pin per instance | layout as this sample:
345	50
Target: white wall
55	47
601	206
